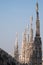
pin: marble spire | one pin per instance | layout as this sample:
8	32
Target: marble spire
37	20
16	51
31	30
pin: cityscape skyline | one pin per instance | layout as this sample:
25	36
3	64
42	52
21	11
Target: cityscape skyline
14	16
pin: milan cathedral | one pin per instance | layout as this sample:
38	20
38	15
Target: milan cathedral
31	49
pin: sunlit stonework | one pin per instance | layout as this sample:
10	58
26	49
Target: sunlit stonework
31	49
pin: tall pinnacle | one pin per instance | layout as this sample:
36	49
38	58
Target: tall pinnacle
24	37
27	33
31	30
37	20
23	46
16	42
16	53
37	8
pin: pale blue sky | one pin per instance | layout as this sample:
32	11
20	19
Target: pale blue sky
14	16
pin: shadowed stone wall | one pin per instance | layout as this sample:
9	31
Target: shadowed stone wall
6	59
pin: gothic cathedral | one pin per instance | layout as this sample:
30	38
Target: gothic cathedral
31	50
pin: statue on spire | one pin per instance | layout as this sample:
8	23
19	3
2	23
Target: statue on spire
37	21
37	8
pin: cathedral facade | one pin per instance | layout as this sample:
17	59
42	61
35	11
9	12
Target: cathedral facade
31	50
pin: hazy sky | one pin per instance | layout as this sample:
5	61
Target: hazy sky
14	16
